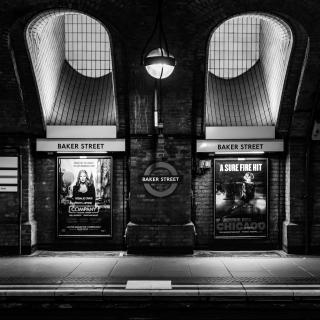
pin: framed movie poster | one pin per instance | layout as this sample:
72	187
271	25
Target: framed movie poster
84	196
241	198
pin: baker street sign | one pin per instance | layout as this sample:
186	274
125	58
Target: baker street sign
160	179
238	146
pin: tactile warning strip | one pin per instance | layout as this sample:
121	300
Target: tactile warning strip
31	280
79	280
211	280
177	281
280	280
248	280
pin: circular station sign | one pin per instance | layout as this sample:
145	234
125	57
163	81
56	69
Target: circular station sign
160	179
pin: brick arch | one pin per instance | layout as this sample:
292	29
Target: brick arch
24	73
301	28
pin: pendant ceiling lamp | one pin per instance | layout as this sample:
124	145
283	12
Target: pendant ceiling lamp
158	62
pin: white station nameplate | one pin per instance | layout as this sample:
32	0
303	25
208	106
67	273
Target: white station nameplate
81	145
233	147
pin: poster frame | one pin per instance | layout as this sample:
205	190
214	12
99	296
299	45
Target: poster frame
266	236
75	156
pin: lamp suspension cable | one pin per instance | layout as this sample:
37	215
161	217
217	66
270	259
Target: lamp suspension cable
158	27
158	62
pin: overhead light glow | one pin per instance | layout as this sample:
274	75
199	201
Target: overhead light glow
159	64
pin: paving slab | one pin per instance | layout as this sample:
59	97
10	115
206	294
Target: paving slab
245	268
309	265
40	267
247	264
170	268
132	268
94	267
287	271
208	267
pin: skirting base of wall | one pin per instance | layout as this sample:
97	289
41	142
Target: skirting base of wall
89	245
241	244
14	250
294	249
160	238
160	250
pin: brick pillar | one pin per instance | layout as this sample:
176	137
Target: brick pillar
28	223
293	226
10	203
315	187
160	223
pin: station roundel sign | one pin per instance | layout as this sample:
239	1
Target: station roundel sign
149	179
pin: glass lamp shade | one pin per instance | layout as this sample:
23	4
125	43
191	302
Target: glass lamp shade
159	64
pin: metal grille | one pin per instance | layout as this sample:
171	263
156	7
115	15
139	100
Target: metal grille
87	45
234	47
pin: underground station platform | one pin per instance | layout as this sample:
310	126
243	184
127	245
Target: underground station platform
204	276
186	127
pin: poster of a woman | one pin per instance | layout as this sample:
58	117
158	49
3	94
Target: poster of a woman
84	196
84	191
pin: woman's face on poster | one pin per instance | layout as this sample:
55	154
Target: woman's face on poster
83	177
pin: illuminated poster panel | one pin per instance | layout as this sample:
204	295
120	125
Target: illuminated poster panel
84	196
241	198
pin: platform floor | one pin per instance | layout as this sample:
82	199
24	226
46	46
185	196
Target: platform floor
205	274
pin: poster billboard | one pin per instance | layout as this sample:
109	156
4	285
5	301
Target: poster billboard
241	198
84	196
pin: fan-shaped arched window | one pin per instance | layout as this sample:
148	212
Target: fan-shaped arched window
247	64
71	58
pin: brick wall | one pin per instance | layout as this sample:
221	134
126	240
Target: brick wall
160	222
295	187
128	37
46	206
10	202
314	212
188	27
315	182
295	205
204	208
145	208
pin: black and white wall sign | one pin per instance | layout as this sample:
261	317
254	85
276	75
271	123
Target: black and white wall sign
160	179
9	174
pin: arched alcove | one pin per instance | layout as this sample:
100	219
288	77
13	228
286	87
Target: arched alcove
72	63
247	63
